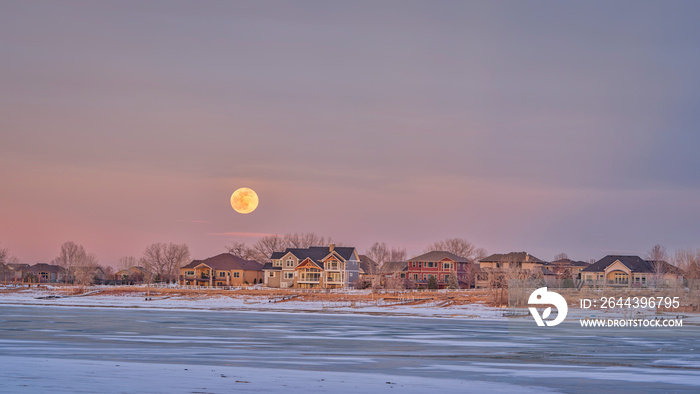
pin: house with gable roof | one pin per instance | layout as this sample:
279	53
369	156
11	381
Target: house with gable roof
221	270
440	265
495	269
616	271
324	267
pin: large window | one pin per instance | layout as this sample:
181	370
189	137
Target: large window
289	275
290	263
334	277
222	274
236	274
311	276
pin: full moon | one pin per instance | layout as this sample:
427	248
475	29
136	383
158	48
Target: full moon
244	200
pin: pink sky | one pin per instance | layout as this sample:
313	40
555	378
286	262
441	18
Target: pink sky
566	129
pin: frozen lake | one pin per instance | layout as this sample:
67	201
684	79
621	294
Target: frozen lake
74	349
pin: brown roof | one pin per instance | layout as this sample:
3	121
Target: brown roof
438	255
394	266
226	262
43	267
569	262
366	264
512	257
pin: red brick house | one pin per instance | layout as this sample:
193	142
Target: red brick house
439	264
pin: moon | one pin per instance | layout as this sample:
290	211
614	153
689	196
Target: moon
244	200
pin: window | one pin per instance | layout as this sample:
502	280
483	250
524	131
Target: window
188	273
420	264
290	263
272	274
236	274
334	277
289	275
447	266
430	265
403	275
222	274
278	263
413	264
447	277
415	276
311	276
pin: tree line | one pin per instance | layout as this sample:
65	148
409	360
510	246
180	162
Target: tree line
162	261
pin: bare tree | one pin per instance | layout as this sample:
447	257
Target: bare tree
126	262
73	256
378	252
305	240
561	256
460	247
265	246
85	268
657	256
688	260
4	255
398	254
164	260
240	249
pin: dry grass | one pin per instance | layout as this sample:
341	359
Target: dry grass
284	295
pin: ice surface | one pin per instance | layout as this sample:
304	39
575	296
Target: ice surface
106	349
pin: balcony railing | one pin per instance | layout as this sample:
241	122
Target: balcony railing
618	282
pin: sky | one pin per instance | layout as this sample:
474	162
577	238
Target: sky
533	126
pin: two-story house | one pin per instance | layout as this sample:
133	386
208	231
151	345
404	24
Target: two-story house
498	268
438	264
221	270
325	267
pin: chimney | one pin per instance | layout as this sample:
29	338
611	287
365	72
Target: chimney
331	247
527	256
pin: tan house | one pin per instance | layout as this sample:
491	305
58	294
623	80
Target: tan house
564	268
369	270
497	268
615	271
324	267
222	270
131	274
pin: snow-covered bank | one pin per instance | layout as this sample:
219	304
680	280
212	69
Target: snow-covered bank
249	303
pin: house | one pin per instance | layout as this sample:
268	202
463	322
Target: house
391	274
568	269
369	270
17	271
221	270
438	264
394	274
615	271
498	268
130	275
46	273
324	267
